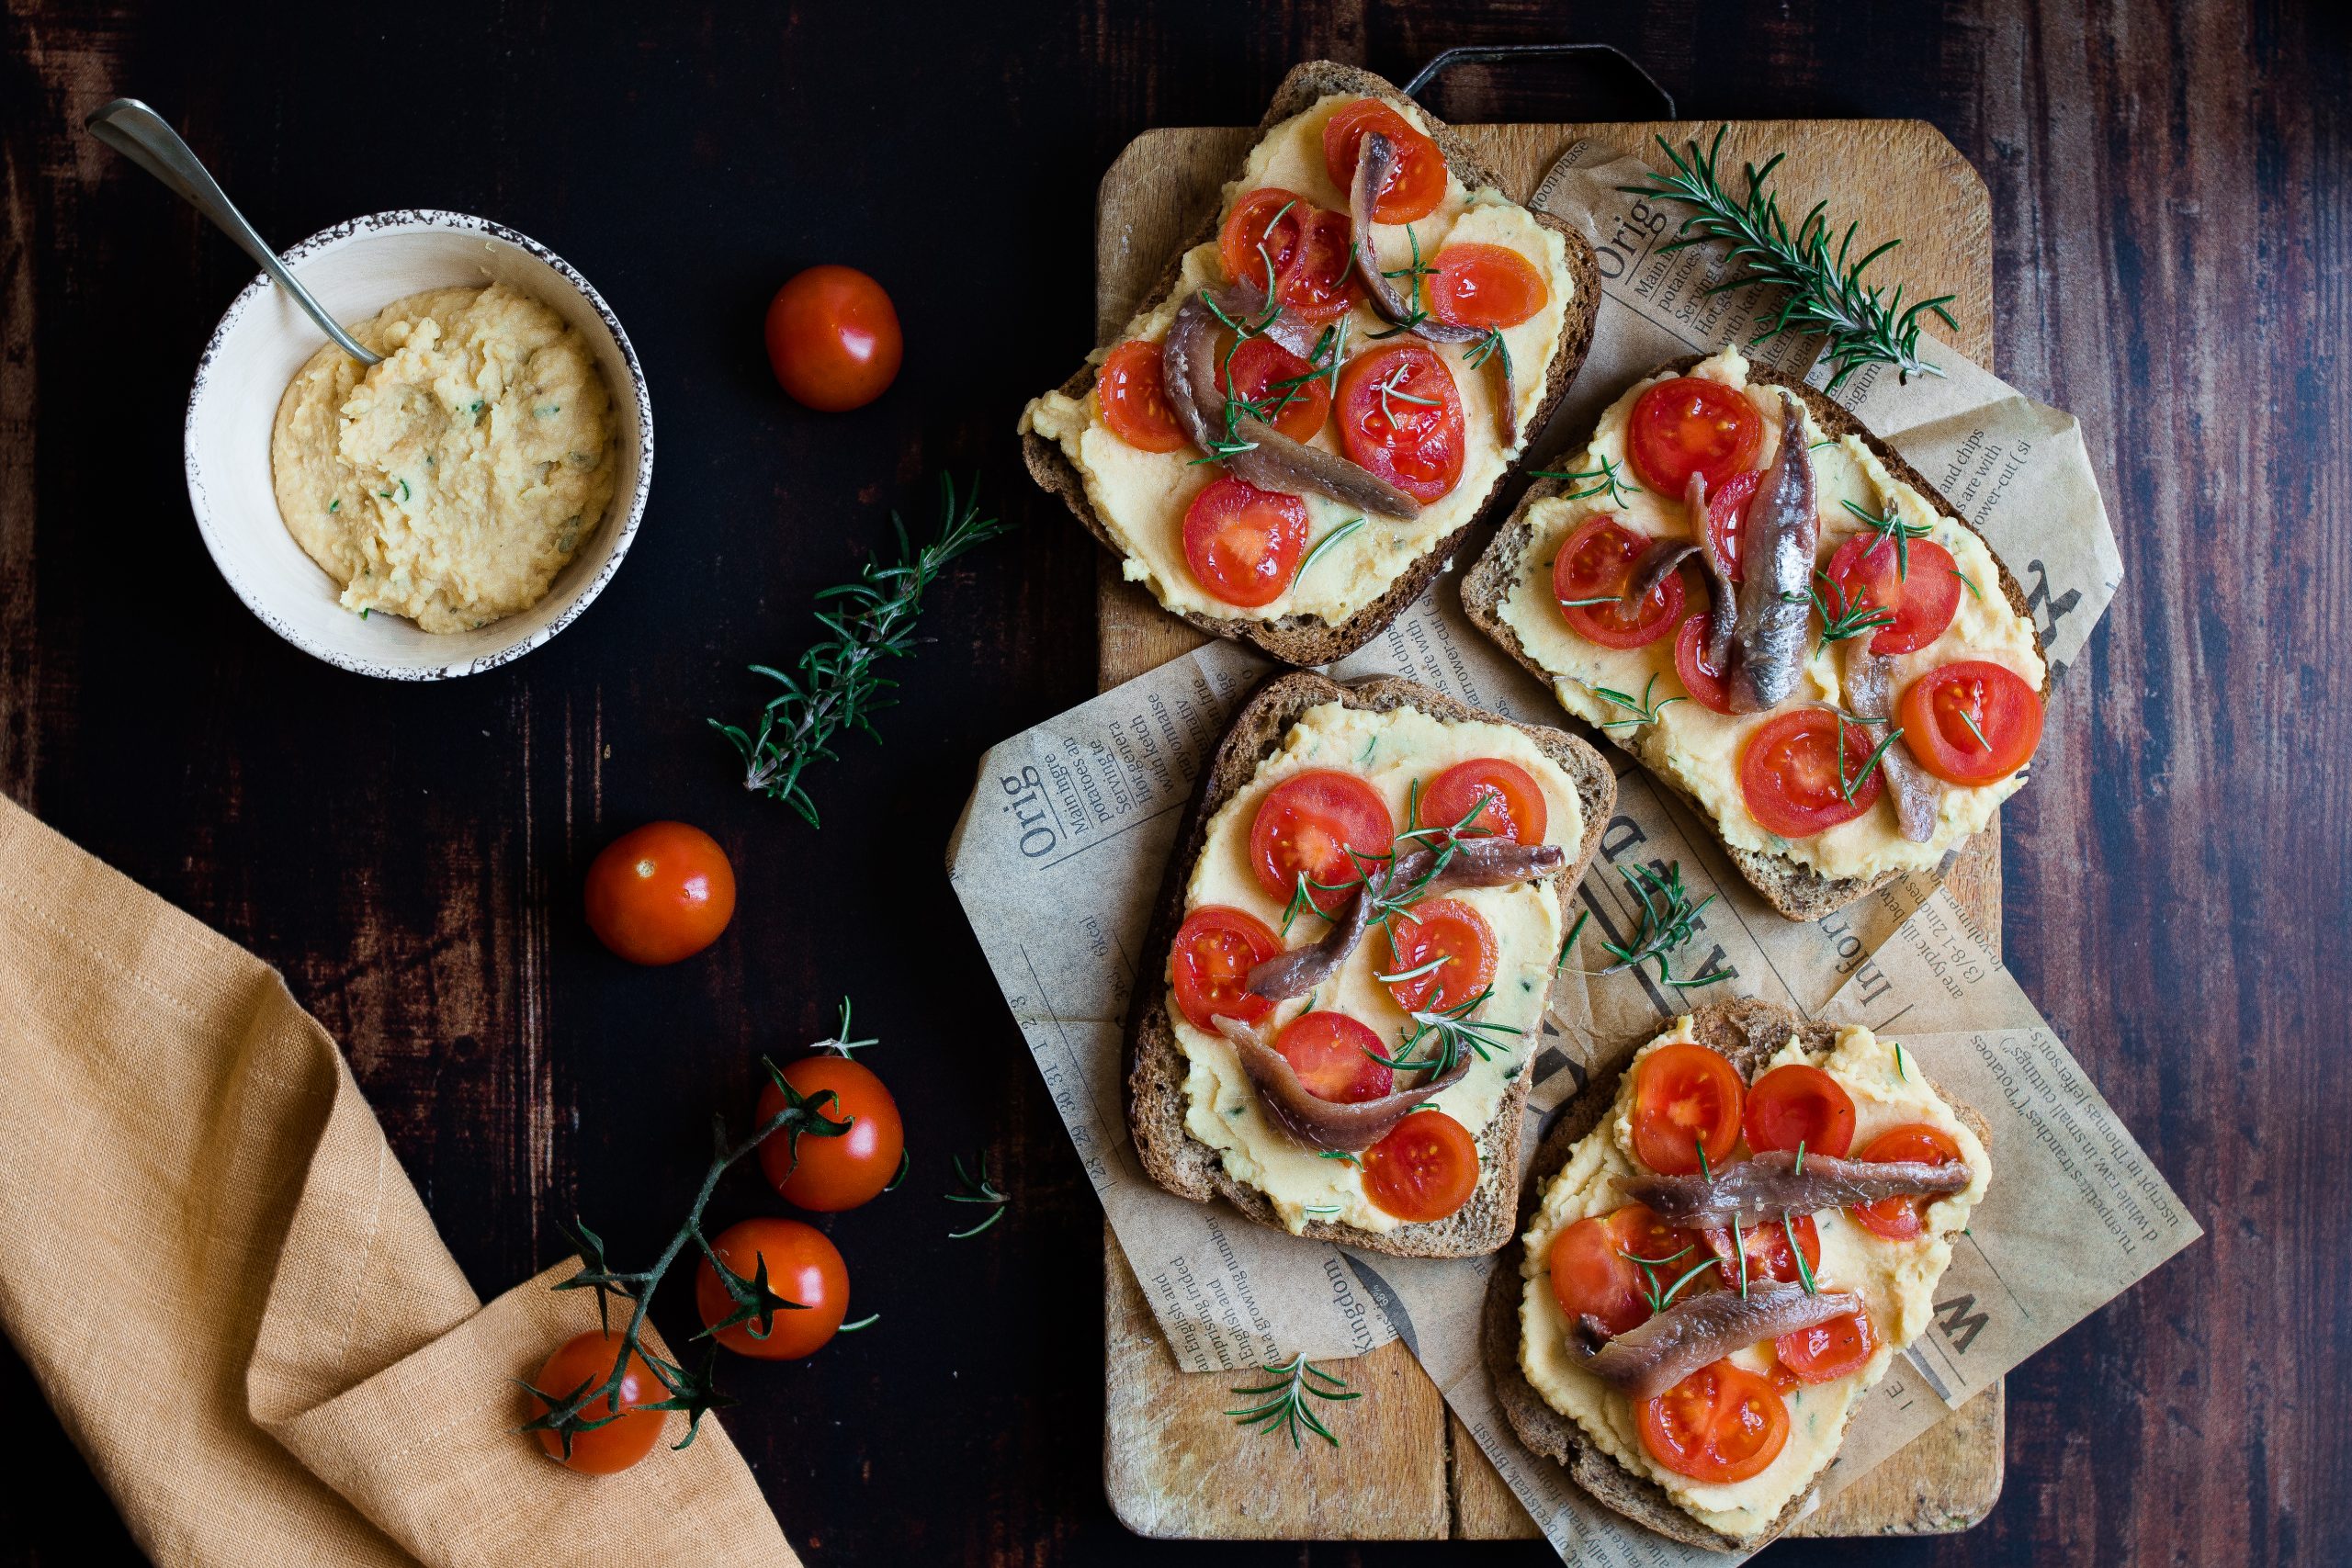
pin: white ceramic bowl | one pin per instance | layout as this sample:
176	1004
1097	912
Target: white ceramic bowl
356	269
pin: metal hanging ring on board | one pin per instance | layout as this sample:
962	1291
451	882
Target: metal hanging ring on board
1448	59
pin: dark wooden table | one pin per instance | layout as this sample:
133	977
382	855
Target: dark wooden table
2170	197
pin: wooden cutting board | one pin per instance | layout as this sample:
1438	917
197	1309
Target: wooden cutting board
1173	1464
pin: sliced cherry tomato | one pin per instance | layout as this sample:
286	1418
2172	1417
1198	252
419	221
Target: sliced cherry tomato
1485	286
1597	562
1971	723
1210	961
1721	1423
1867	571
1450	934
1416	182
1767	1245
1263	232
1424	1169
1259	363
1329	1053
1319	283
1727	518
1796	1104
1706	684
1400	416
1789	772
803	1266
834	339
1243	543
1596	1265
1828	1351
1514	802
1904	1219
1307	826
1692	425
1134	399
586	1360
829	1172
1686	1098
661	892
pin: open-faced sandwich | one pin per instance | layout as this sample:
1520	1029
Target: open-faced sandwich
1782	619
1329	383
1350	961
1727	1244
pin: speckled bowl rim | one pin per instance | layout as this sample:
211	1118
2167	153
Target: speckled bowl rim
401	221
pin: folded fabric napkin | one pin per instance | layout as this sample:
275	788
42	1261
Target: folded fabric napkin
233	1296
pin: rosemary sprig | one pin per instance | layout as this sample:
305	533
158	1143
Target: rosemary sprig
1787	1228
1845	786
755	1303
1451	1031
1476	357
1607	480
980	1188
1643	711
1413	272
1892	526
1353	526
840	684
1284	1406
1669	920
1851	620
1824	294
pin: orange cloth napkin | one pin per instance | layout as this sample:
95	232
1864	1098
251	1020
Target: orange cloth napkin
231	1294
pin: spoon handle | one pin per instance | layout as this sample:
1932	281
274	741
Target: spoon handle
139	133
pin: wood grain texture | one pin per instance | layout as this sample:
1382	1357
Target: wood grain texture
2172	256
1168	1459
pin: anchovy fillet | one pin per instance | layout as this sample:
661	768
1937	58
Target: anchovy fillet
1769	1187
1696	1331
1312	1120
1870	689
1776	559
1723	601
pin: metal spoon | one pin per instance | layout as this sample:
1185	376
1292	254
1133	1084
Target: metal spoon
139	133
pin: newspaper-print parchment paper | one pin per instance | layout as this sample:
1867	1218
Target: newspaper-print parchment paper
1060	850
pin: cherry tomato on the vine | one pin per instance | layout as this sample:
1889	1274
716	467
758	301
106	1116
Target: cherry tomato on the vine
804	1267
829	1172
586	1360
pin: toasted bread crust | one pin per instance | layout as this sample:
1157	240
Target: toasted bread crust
1310	639
1155	1063
1793	888
1749	1032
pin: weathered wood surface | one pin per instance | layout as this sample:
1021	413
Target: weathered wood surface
1172	1465
2171	243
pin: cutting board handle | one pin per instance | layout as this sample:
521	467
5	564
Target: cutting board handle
1506	53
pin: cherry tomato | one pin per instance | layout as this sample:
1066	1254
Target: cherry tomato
1866	571
1686	1098
1416	182
587	1360
661	892
1485	286
1795	1104
1306	826
1595	1271
833	338
1828	1351
829	1174
1263	233
1767	1245
1134	399
1450	934
1727	518
1707	685
803	1266
1424	1169
1327	1050
1789	772
1692	425
1721	1423
1259	363
1514	805
1904	1219
1400	416
1243	543
1597	562
1210	963
1971	723
1319	284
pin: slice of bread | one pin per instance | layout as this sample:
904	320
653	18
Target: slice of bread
1310	639
1156	1063
1791	886
1749	1032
